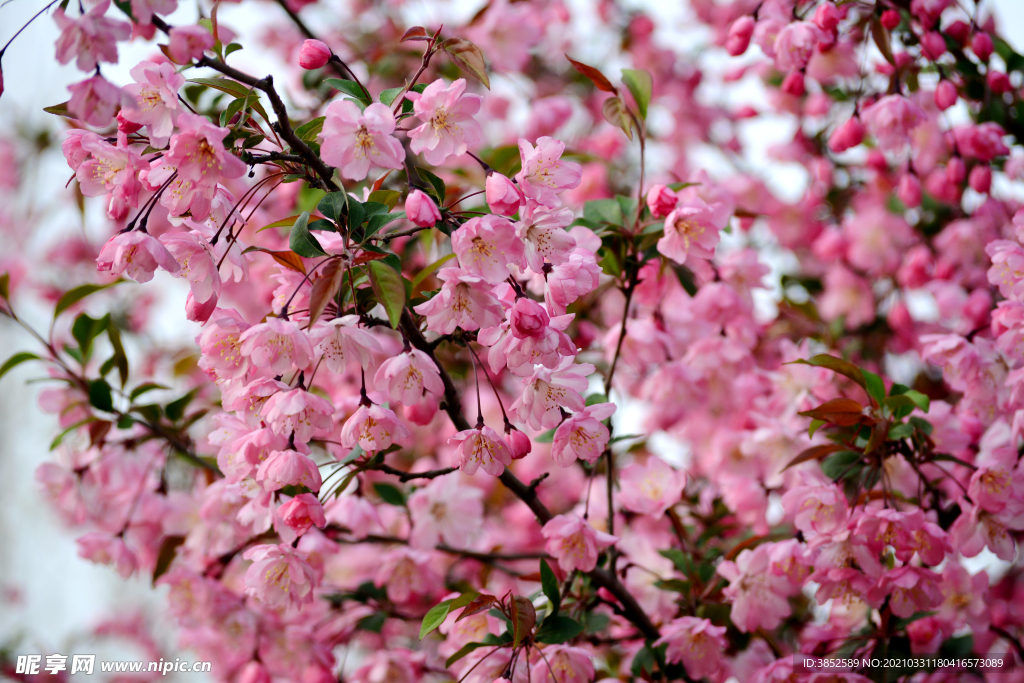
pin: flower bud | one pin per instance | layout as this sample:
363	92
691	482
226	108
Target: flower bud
848	135
125	126
981	46
827	17
197	312
421	209
254	672
793	84
527	318
519	444
503	196
738	40
980	179
661	200
314	54
945	95
909	190
956	171
998	82
933	45
890	19
959	31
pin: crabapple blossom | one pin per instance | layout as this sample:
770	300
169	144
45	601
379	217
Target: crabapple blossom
314	54
279	576
486	246
550	390
353	139
135	254
461	303
448	127
196	263
444	510
891	119
481	448
696	643
651	488
543	235
545	173
189	42
421	209
104	168
342	340
94	100
582	435
373	428
758	596
692	228
91	38
288	468
574	543
297	412
278	345
503	196
153	100
409	377
302	513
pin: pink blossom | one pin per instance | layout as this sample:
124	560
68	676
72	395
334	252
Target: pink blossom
353	139
795	44
738	39
891	120
106	168
945	95
288	468
135	254
846	136
758	597
550	390
373	428
818	509
1007	271
94	100
197	153
582	436
91	38
444	510
696	643
487	246
530	337
278	345
847	295
189	42
462	302
576	277
976	528
297	412
196	262
503	196
421	209
994	483
279	576
574	543
542	232
342	340
692	228
153	100
544	173
448	127
409	377
651	488
143	10
910	590
220	346
301	513
106	549
661	200
983	142
481	447
314	54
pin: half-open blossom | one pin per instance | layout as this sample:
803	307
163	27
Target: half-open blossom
487	246
91	38
696	643
353	139
301	513
421	210
136	255
692	229
891	119
464	301
542	232
189	42
483	447
651	488
409	377
279	576
545	173
795	44
196	262
153	100
661	200
582	435
448	127
373	428
445	510
574	543
288	468
342	340
297	411
503	196
550	390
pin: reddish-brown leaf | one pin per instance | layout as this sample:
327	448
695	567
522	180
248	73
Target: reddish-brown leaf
468	57
380	181
478	605
844	412
595	76
324	289
415	33
814	453
615	112
366	257
524	618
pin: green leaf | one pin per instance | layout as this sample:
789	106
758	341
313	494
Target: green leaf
5	286
143	388
837	365
168	549
175	410
546	437
874	386
549	582
374	225
349	88
840	464
233	47
309	130
16	360
463	651
333	205
388	198
119	358
303	243
85	329
640	86
436	183
387	97
100	396
73	296
235	88
59	110
373	623
425	273
60	437
558	629
389	290
391	495
597	622
603	211
435	617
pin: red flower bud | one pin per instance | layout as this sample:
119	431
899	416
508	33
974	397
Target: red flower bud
945	95
980	179
848	135
981	46
314	54
738	40
890	19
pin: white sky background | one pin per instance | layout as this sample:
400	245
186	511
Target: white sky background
62	595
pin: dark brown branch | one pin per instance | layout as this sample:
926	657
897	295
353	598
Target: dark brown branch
409	476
